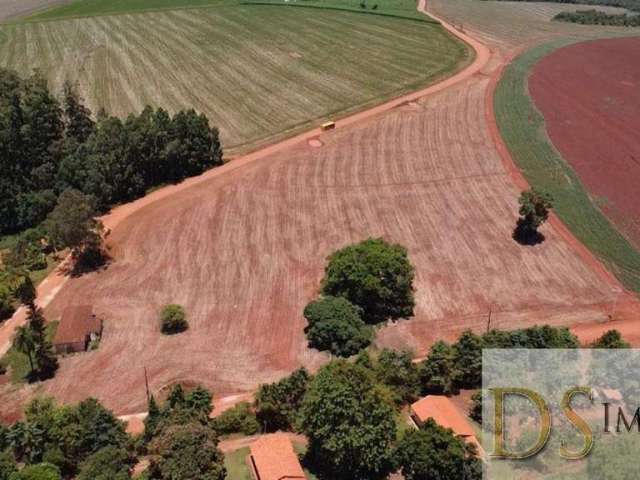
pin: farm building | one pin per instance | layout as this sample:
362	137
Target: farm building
273	458
442	411
77	328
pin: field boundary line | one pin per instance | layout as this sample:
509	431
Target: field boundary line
520	181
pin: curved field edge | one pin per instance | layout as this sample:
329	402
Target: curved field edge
280	94
523	129
404	9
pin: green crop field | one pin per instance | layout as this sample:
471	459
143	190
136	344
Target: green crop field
259	72
89	8
522	128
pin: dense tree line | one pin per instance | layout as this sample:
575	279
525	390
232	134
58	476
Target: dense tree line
49	145
595	17
62	441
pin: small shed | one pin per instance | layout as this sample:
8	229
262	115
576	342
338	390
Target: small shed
273	458
77	328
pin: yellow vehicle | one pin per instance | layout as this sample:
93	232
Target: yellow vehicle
328	126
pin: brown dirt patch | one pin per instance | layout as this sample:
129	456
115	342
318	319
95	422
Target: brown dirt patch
588	95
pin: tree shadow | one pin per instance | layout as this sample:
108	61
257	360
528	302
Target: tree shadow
87	261
527	235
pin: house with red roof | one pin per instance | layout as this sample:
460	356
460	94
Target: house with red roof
273	458
78	327
444	412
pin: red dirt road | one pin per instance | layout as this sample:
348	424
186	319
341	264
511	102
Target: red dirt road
589	94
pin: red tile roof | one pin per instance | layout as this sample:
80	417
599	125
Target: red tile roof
442	410
76	324
274	458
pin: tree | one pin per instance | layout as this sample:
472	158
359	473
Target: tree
476	407
71	224
610	339
534	211
400	374
239	419
152	419
6	303
533	337
173	319
79	125
42	471
45	360
375	276
350	427
26	291
277	405
438	374
109	463
468	360
24	343
335	325
186	452
434	453
180	408
7	465
199	399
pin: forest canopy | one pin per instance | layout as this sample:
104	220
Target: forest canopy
50	144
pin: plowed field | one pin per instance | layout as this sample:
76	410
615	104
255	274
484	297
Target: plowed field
589	95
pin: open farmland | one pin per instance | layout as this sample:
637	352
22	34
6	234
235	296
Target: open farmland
513	25
593	121
255	79
245	251
523	129
89	8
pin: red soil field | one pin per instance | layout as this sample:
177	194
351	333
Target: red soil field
589	94
244	252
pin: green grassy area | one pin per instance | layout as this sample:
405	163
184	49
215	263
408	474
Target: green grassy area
523	130
18	363
259	72
237	468
89	8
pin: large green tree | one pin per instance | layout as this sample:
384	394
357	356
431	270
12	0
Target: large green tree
350	427
374	275
335	325
109	463
434	453
42	471
277	405
438	373
535	207
468	360
186	452
397	371
610	339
